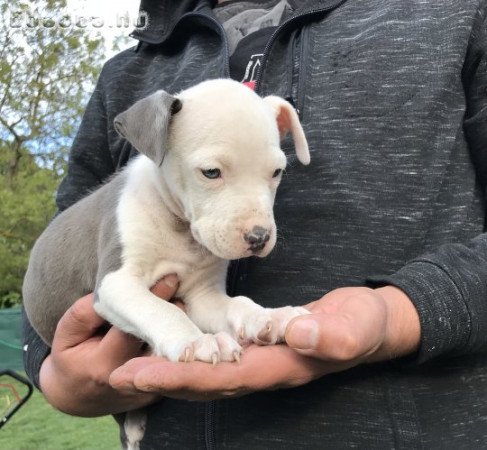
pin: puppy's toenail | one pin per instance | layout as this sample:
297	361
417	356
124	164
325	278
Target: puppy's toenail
264	336
186	356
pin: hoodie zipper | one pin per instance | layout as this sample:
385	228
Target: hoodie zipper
211	406
291	21
302	66
296	78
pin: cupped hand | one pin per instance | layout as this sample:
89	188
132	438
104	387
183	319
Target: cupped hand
74	377
357	324
347	327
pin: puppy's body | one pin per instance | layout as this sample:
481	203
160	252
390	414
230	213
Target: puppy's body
64	261
200	193
165	213
117	212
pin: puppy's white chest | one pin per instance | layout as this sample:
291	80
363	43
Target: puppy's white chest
154	241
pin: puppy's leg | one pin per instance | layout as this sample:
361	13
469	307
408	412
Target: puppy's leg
126	302
242	318
134	428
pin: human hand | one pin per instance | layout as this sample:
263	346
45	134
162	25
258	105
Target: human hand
74	377
357	324
347	327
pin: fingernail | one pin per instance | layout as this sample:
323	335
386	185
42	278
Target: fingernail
171	280
120	384
126	387
303	334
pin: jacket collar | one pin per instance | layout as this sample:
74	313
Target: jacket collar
160	16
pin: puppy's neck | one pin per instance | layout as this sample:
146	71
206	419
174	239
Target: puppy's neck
173	205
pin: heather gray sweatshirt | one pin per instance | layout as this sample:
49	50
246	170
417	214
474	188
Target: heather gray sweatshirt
392	95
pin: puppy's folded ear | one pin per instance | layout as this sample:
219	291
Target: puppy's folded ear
288	121
146	124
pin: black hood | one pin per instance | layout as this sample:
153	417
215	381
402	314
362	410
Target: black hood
162	15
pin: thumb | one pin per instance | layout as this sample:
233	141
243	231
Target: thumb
303	333
324	336
79	323
166	287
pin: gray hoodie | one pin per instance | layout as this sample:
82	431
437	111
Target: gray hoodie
392	95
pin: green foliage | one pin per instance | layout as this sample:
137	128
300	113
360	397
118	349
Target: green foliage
26	206
10	299
46	74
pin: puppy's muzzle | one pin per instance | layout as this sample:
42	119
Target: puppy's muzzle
257	238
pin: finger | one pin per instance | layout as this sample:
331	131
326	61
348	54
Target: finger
79	323
122	378
166	287
153	374
118	347
179	303
331	336
197	377
201	381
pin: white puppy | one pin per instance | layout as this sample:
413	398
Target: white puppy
201	193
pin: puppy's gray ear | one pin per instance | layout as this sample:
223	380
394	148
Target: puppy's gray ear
146	124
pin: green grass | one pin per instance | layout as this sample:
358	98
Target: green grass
38	426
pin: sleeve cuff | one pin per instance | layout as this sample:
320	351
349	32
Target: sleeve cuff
444	316
35	351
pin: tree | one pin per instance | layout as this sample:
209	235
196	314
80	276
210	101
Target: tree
46	72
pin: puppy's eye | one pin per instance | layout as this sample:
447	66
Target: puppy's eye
276	173
211	173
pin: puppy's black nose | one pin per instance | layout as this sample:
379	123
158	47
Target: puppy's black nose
257	238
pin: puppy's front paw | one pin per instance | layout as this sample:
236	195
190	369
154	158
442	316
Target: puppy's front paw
212	348
282	317
249	322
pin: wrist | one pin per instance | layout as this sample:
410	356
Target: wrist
403	330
